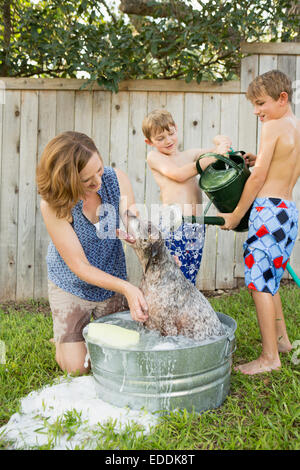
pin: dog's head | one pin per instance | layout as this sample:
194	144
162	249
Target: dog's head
148	239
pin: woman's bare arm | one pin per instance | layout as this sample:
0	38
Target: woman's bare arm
71	251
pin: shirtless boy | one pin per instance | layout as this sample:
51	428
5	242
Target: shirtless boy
273	220
175	172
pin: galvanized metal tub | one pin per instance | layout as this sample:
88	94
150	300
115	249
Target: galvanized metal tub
195	378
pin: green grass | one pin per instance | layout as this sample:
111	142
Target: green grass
261	412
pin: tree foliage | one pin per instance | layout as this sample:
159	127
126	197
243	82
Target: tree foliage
143	39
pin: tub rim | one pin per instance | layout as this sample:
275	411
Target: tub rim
230	336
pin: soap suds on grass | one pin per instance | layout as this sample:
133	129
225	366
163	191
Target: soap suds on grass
67	415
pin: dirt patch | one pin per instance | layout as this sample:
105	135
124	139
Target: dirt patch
26	306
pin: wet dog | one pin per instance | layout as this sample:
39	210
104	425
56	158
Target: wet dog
175	305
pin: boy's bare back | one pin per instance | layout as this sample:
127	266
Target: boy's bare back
284	167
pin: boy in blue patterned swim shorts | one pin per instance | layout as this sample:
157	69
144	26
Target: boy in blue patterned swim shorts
175	172
273	222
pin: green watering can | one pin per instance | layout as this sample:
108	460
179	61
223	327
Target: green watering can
223	182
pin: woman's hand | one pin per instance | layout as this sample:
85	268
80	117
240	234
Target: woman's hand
250	159
125	236
136	302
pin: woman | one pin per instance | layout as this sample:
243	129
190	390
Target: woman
86	271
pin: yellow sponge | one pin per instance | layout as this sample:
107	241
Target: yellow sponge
113	335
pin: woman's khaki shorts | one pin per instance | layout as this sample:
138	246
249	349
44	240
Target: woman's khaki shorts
71	313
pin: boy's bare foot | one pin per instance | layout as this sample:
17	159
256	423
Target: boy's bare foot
259	366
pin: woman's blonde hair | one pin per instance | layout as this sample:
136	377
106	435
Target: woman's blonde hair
57	174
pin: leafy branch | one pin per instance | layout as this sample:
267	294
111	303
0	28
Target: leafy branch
145	39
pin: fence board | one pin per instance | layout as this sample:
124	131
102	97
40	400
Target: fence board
27	194
193	120
210	128
137	151
101	123
226	240
9	195
65	113
47	130
192	125
175	105
83	112
266	63
287	64
249	71
156	100
136	170
119	130
248	142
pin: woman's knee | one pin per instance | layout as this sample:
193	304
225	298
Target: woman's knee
71	358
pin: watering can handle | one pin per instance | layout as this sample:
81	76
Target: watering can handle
205	219
218	157
213	220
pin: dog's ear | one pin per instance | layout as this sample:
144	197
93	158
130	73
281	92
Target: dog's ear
154	251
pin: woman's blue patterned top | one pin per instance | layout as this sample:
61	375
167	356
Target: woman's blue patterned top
105	253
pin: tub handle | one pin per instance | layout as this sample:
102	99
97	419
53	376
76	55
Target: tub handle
229	351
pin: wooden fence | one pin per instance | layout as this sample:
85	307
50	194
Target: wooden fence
35	110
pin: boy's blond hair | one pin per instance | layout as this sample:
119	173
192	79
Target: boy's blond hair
157	121
271	83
